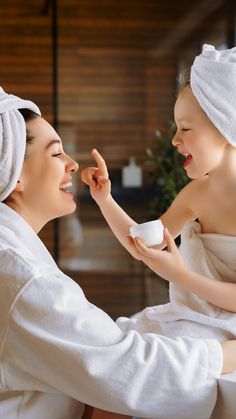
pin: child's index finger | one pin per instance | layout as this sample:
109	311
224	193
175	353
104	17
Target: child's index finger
100	162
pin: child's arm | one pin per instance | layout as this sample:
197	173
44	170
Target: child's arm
170	266
100	188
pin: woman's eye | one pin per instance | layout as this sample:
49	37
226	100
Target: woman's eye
185	129
57	155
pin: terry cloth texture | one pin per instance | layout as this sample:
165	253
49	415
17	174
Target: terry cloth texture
12	140
57	349
213	82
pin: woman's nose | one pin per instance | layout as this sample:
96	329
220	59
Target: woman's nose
72	166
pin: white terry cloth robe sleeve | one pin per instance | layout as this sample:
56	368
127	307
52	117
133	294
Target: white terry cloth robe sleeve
54	343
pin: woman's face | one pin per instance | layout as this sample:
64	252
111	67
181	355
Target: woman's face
46	176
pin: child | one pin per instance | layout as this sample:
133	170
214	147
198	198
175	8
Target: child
202	274
211	162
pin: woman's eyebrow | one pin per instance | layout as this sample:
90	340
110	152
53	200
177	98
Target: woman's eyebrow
52	142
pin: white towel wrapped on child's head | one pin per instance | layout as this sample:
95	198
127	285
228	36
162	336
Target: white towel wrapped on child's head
213	82
12	140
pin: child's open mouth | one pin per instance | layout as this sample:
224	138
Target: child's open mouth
187	159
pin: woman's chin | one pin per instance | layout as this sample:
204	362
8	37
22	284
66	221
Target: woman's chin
70	209
63	211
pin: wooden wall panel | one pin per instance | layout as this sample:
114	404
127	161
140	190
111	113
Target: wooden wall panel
115	89
112	91
116	99
25	52
104	95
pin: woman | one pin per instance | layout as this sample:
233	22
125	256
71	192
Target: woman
59	351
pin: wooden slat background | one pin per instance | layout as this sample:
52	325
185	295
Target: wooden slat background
114	91
117	83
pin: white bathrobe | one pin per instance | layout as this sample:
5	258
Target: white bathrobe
58	351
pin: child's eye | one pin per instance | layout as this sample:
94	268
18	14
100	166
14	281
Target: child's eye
185	129
56	155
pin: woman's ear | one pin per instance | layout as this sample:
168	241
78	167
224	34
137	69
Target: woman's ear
19	186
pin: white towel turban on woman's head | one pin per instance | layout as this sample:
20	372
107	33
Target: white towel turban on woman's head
213	83
12	140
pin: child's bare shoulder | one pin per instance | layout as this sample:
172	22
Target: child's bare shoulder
196	187
186	206
193	195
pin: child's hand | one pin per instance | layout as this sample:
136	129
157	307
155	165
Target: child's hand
166	263
97	179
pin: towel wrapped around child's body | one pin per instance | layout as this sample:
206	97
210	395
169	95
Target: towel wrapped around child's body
211	255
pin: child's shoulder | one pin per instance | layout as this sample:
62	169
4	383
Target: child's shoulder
191	198
195	188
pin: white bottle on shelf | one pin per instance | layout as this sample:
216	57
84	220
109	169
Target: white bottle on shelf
132	174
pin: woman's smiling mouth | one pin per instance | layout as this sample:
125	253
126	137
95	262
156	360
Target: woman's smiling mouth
65	187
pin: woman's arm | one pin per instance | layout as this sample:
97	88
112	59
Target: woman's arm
66	344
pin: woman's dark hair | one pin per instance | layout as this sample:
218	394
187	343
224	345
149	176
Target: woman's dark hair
28	115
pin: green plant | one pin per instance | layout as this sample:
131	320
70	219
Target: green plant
169	174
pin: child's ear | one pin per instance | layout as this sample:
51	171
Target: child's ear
19	186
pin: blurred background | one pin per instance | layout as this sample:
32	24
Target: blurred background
104	73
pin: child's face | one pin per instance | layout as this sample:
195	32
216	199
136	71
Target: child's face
196	136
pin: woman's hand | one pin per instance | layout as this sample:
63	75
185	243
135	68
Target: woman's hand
166	263
97	179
